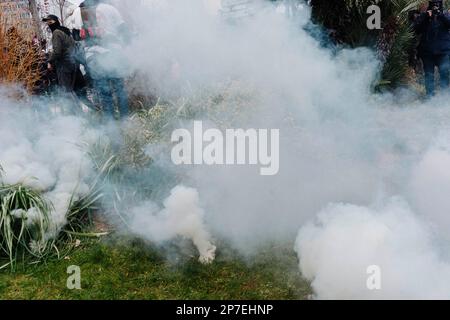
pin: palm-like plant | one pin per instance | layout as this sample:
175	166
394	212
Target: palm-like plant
24	223
347	19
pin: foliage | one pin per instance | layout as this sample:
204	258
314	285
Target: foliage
347	20
20	60
24	223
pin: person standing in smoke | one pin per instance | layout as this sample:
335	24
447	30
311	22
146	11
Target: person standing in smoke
62	59
434	47
104	32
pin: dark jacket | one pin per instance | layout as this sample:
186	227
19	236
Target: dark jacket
63	48
63	58
435	33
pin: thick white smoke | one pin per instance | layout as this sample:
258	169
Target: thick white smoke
342	149
336	253
181	216
339	144
430	184
45	152
408	241
48	152
296	86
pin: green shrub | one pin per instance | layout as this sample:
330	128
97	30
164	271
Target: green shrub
24	223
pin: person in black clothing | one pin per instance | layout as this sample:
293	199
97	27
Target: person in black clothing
413	60
62	58
434	47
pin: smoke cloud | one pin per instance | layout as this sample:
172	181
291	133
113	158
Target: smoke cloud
340	144
181	216
364	177
336	251
45	152
290	83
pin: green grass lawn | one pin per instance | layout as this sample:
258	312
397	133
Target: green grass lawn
130	269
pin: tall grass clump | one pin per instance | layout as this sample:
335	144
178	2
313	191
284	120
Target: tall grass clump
27	233
24	224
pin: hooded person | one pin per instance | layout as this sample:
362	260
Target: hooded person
104	32
62	58
434	48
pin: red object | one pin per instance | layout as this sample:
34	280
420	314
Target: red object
83	34
91	33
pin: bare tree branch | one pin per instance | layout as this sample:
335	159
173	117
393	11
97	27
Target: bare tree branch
36	19
60	4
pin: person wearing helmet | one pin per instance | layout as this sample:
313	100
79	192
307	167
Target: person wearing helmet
434	48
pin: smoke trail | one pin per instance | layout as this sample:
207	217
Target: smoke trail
181	216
